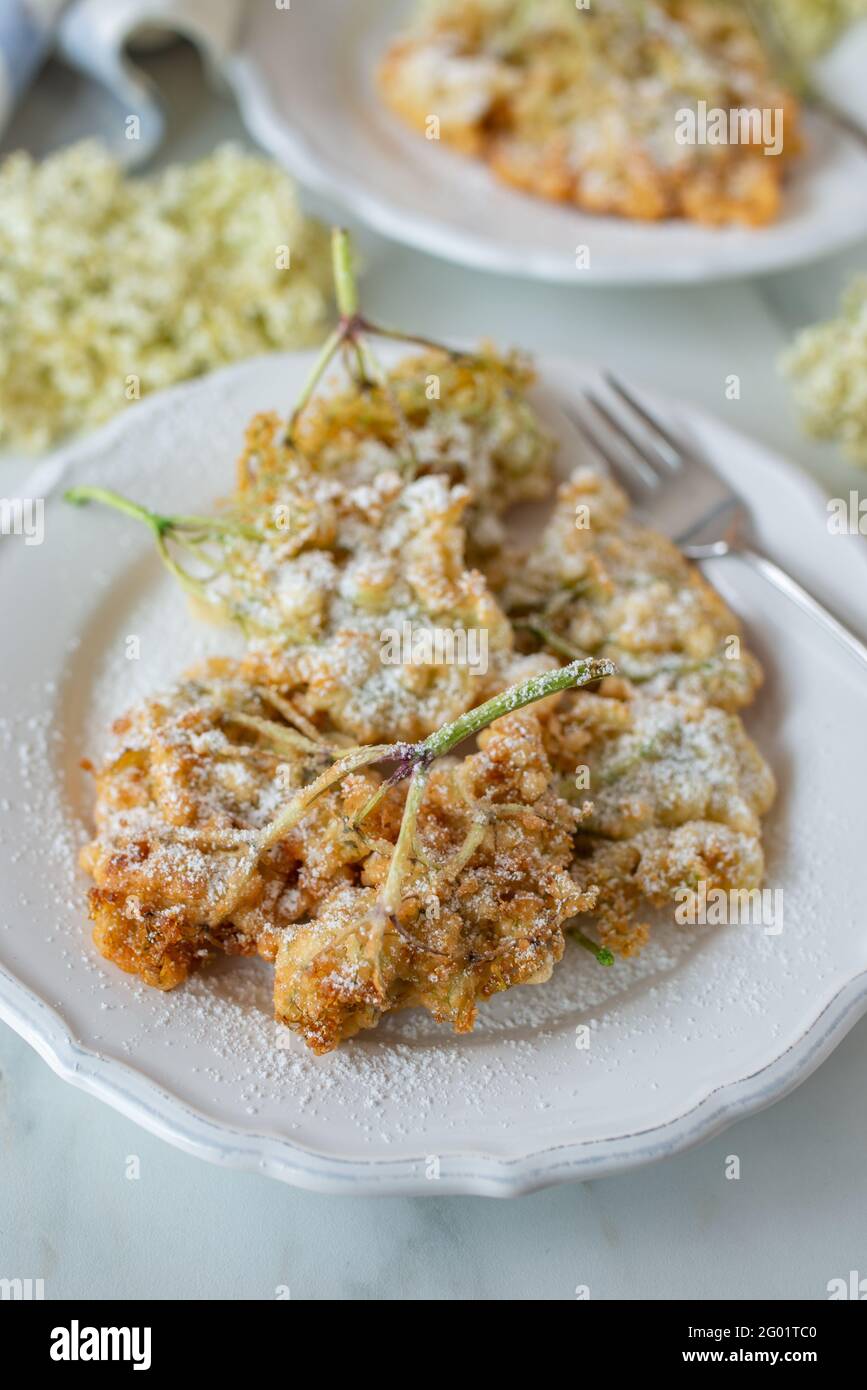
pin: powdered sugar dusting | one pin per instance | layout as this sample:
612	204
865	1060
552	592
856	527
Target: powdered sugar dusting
215	1038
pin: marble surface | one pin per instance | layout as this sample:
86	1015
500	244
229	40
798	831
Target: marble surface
72	1210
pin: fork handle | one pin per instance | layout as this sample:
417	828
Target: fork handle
771	571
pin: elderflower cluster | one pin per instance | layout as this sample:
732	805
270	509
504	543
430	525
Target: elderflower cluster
112	287
828	364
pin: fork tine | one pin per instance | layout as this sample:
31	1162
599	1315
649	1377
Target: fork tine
665	446
630	474
627	440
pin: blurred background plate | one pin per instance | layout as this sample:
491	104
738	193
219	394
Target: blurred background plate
304	77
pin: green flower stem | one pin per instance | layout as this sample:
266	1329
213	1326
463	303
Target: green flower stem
213	526
159	524
303	800
601	953
320	366
345	285
346	293
187	581
279	736
414	760
473	838
390	896
436	746
232	891
577	673
351	332
667	668
371	803
80	496
415	340
186	531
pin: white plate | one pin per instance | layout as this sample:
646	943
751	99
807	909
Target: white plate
703	1028
304	80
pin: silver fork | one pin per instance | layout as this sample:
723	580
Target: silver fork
679	493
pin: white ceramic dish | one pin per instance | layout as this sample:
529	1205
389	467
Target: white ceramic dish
304	80
705	1027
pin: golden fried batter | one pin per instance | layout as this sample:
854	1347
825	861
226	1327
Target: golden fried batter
205	768
357	529
676	789
195	774
481	908
581	105
464	417
358	565
600	584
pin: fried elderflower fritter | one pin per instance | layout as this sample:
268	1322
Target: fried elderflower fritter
676	791
480	910
195	774
345	541
307	802
329	603
465	416
599	583
226	822
354	598
582	104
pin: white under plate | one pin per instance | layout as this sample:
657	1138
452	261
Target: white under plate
709	1024
304	78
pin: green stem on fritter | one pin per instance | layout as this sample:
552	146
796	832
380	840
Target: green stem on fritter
320	366
416	761
390	893
667	668
516	697
185	531
601	953
417	340
345	284
351	333
450	868
159	524
79	496
347	332
578	673
292	715
637	676
304	799
413	760
232	891
286	739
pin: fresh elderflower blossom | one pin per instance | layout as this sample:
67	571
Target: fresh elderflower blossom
828	364
112	287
